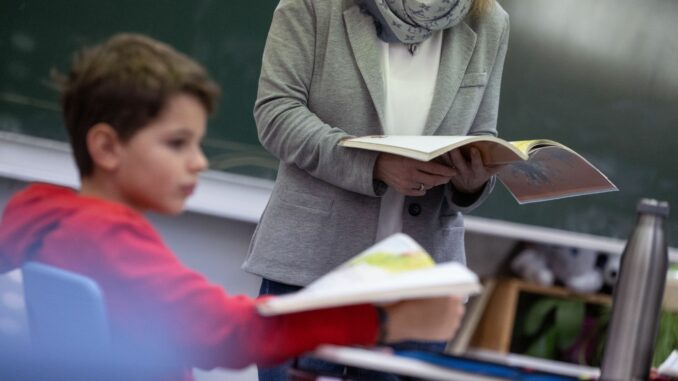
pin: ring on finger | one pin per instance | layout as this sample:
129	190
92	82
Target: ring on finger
422	187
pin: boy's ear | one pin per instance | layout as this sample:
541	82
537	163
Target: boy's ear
103	145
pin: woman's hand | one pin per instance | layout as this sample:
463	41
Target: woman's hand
434	319
472	174
411	177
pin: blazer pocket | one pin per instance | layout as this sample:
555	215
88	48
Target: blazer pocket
474	80
451	221
306	201
451	235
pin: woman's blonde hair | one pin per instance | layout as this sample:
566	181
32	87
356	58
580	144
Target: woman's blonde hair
479	7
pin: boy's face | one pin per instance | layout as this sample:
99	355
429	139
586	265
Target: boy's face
159	165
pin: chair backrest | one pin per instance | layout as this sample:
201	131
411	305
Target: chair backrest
66	312
70	332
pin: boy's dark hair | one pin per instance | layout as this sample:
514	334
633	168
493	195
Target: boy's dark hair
125	82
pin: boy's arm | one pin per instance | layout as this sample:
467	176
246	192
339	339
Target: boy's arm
155	297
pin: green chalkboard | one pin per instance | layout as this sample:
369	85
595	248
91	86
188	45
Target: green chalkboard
602	78
226	36
599	76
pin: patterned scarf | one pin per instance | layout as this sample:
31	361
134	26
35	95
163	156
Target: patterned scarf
413	21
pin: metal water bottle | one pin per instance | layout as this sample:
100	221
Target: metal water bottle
637	297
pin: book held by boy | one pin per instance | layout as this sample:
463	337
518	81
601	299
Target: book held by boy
396	268
533	170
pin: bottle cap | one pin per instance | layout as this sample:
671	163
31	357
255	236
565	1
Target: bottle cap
648	205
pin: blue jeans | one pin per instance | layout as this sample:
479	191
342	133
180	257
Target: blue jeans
280	372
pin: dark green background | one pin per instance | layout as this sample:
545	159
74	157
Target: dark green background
226	36
600	77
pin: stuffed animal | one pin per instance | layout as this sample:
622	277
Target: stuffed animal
574	268
611	270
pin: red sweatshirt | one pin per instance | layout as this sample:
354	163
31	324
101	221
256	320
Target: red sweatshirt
153	300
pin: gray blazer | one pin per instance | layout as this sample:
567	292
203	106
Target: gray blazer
320	83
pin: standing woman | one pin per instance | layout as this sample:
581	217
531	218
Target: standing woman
341	68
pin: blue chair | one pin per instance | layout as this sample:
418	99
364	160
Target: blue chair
68	325
70	335
66	311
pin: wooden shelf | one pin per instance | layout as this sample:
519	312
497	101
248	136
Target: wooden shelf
496	326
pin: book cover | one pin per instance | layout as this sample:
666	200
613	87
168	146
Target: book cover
396	268
532	170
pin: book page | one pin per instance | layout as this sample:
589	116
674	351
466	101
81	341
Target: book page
395	269
422	144
494	151
396	254
670	366
525	146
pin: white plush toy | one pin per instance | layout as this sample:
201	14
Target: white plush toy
530	264
611	270
574	268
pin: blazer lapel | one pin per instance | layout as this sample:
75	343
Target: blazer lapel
458	45
367	50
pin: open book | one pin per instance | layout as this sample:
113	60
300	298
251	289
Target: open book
534	170
396	268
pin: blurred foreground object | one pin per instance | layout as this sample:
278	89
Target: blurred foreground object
637	297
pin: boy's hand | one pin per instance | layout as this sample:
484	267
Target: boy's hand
411	177
471	174
434	319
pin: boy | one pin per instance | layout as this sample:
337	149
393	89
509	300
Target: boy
136	111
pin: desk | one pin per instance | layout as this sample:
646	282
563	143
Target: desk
421	370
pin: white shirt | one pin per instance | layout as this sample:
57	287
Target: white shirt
409	85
